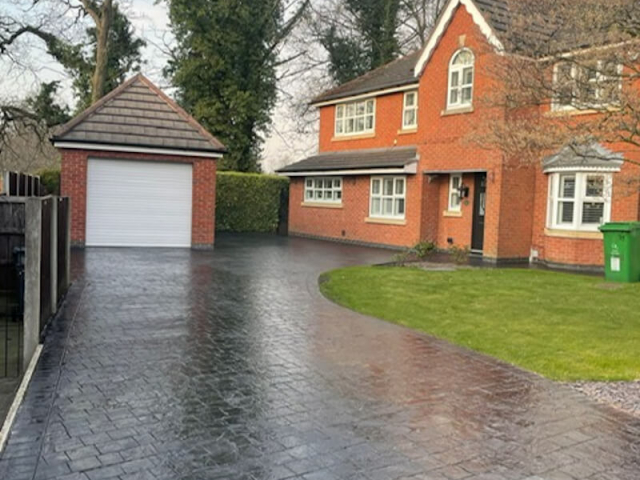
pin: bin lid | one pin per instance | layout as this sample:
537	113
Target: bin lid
620	227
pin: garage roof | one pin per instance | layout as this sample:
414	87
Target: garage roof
138	114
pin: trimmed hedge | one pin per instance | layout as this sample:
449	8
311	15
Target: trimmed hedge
50	179
249	202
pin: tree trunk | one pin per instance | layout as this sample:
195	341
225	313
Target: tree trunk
102	50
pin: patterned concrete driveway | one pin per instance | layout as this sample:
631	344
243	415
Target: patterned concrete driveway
230	365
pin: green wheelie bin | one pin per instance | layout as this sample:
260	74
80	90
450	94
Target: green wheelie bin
622	251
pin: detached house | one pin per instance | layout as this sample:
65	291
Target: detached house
394	168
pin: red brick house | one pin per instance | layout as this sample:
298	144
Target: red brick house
139	171
393	168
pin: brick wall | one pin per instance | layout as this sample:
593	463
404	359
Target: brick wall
348	222
73	184
388	129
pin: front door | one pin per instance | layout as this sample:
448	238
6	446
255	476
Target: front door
479	209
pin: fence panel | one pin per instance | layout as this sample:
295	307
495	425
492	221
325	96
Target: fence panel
12	236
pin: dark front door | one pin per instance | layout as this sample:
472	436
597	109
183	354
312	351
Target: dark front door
479	209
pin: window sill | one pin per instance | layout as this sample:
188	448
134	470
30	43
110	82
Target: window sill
386	221
321	205
456	111
452	213
358	136
575	112
408	131
578	234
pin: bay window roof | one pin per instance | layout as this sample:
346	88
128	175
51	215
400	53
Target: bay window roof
586	157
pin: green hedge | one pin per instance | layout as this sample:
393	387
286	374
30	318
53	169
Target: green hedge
249	202
50	179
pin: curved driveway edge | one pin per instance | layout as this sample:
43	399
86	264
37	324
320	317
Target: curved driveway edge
170	364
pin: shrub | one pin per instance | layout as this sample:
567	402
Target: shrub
424	249
401	258
460	255
50	180
249	202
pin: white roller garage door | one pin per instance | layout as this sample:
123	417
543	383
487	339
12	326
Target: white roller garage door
138	204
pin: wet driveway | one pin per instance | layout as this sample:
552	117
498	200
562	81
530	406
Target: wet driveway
230	365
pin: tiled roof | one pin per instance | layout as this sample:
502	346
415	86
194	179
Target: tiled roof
592	156
397	73
396	157
139	114
520	34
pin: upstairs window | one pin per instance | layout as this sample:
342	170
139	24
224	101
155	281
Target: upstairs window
355	117
410	110
461	79
323	189
579	201
588	86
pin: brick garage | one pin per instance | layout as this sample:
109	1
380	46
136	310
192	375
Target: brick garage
156	175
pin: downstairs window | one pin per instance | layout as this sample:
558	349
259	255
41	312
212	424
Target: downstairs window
579	201
388	197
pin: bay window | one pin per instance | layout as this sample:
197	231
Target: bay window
323	190
388	197
579	200
355	117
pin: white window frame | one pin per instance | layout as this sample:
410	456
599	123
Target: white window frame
394	197
316	191
453	192
459	69
347	112
575	97
410	108
579	200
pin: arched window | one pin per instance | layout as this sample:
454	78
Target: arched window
461	79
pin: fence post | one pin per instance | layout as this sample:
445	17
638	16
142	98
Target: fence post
54	255
67	266
33	245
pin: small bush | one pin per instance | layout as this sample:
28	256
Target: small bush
401	258
424	249
460	255
249	202
50	180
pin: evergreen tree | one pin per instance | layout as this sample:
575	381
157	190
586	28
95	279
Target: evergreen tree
44	108
224	68
372	43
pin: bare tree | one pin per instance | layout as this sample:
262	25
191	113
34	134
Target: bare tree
102	15
568	77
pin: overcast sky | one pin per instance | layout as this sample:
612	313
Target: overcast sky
151	22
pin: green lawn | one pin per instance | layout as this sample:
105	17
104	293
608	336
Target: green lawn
563	326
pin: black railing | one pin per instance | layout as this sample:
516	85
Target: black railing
16	184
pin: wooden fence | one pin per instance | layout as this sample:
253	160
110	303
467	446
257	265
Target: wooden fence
40	227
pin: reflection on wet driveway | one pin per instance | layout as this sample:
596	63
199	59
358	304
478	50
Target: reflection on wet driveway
171	364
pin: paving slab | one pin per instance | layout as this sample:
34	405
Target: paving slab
178	364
